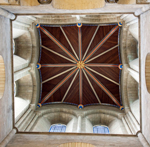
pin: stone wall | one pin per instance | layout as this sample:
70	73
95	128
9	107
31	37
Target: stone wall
54	140
80	121
6	102
145	95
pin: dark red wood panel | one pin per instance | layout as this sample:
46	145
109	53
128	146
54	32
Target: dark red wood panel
111	57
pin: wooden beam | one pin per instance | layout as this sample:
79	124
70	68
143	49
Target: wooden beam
92	87
80	43
101	65
91	42
57	42
80	86
103	76
103	88
58	75
70	86
58	86
102	54
58	54
101	42
58	65
69	42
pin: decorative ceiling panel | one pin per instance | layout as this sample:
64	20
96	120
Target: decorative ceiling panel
80	64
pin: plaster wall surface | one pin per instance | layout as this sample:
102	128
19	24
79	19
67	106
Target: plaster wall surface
117	127
6	104
109	8
145	95
135	108
42	125
54	140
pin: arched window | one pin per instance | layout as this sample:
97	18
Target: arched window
101	129
57	128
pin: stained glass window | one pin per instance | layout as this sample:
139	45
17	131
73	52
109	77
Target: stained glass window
57	128
101	129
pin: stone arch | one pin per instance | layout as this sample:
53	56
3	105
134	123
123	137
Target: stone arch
114	124
105	116
23	96
133	96
71	116
2	76
131	49
54	118
62	118
132	89
23	51
52	114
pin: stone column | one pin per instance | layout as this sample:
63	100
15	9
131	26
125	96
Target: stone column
21	25
142	140
134	69
7	14
8	138
19	63
79	124
134	74
135	64
27	121
21	73
126	125
132	22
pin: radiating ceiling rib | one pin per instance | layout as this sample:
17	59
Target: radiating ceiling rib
91	42
69	42
81	67
58	86
58	65
70	86
58	54
101	43
57	43
102	65
58	75
80	43
80	86
103	76
92	87
103	88
102	54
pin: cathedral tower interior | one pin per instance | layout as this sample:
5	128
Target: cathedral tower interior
74	73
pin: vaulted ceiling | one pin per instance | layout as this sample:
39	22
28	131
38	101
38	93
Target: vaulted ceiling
80	64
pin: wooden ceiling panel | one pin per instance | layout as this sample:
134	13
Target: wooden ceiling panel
63	80
49	57
72	34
